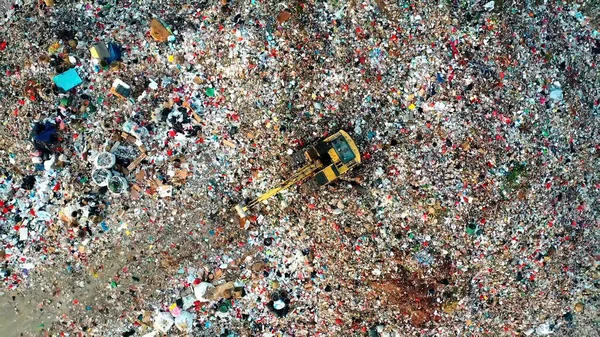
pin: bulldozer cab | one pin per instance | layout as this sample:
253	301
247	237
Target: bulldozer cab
338	154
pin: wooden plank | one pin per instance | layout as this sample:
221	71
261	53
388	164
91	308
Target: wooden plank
114	147
122	170
192	111
136	162
228	143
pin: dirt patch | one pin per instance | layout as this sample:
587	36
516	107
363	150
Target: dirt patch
409	299
412	294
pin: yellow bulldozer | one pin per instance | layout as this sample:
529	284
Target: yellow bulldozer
324	162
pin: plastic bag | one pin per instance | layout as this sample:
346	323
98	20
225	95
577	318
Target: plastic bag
185	322
163	321
101	176
201	289
105	160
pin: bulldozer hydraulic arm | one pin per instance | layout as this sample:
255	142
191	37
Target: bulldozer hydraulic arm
297	177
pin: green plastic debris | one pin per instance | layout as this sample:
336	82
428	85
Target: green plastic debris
210	92
471	229
224	307
514	174
113	284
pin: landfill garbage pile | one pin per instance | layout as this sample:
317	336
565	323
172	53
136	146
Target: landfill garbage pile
130	130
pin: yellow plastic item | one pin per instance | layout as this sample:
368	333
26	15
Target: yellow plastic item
54	48
99	51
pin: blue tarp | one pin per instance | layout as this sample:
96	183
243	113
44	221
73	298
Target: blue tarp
67	80
43	133
115	52
439	78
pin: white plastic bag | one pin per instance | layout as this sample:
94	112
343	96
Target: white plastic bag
105	160
201	289
101	176
163	321
117	185
185	322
